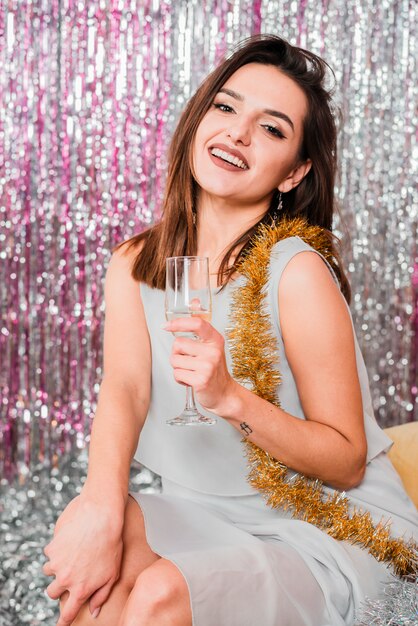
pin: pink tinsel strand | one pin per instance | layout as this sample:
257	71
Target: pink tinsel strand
256	27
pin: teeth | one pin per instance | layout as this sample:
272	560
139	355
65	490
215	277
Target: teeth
228	157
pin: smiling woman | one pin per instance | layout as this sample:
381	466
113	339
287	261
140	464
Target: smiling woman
267	125
298	539
270	78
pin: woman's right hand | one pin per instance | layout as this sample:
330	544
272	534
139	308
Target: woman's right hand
85	555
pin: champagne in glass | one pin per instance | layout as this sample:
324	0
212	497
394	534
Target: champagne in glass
188	294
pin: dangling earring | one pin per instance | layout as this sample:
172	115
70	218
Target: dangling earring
275	214
194	217
280	203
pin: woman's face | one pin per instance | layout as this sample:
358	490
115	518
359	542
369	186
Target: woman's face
258	113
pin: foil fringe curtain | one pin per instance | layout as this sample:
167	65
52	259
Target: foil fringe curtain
89	95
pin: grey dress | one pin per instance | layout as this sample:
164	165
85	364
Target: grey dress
245	563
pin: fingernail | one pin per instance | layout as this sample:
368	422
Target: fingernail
165	326
96	613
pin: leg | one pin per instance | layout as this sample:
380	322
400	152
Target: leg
160	597
137	555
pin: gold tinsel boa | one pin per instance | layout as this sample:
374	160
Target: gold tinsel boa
254	354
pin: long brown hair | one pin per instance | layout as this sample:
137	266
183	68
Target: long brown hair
313	198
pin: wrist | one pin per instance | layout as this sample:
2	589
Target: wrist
110	503
103	484
232	404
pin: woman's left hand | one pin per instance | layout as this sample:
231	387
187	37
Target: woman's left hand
201	362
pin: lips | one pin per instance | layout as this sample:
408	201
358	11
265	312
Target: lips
231	151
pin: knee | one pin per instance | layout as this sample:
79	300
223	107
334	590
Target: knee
157	590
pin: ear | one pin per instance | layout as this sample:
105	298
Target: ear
295	176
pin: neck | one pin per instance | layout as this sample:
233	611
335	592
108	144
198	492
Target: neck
220	223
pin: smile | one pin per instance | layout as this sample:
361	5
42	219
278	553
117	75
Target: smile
228	158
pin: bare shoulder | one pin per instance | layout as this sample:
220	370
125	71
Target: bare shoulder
304	266
314	315
124	255
119	281
307	281
126	342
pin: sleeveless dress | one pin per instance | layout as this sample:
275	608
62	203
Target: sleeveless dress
245	563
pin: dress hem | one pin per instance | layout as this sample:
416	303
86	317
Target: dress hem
134	496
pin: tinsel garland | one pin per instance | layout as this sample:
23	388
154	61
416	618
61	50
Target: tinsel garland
255	356
397	606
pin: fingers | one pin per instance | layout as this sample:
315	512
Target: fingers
100	596
183	362
204	360
47	569
195	325
71	608
187	377
206	367
193	372
197	363
205	349
183	345
55	590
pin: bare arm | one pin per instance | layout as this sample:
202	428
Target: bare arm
125	389
86	551
318	337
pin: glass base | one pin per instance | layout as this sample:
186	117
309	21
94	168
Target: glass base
191	418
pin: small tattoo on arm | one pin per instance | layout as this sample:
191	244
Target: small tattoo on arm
247	429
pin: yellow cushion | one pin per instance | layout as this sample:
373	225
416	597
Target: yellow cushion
404	456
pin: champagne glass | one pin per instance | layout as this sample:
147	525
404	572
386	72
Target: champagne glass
188	294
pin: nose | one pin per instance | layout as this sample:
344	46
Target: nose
239	131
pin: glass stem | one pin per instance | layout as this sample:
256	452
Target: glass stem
190	403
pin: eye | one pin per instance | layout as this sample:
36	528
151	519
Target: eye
222	107
273	130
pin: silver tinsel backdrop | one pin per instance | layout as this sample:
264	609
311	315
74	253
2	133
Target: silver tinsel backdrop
90	92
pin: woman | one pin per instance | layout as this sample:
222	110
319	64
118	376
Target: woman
256	145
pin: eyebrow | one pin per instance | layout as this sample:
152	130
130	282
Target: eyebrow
278	114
